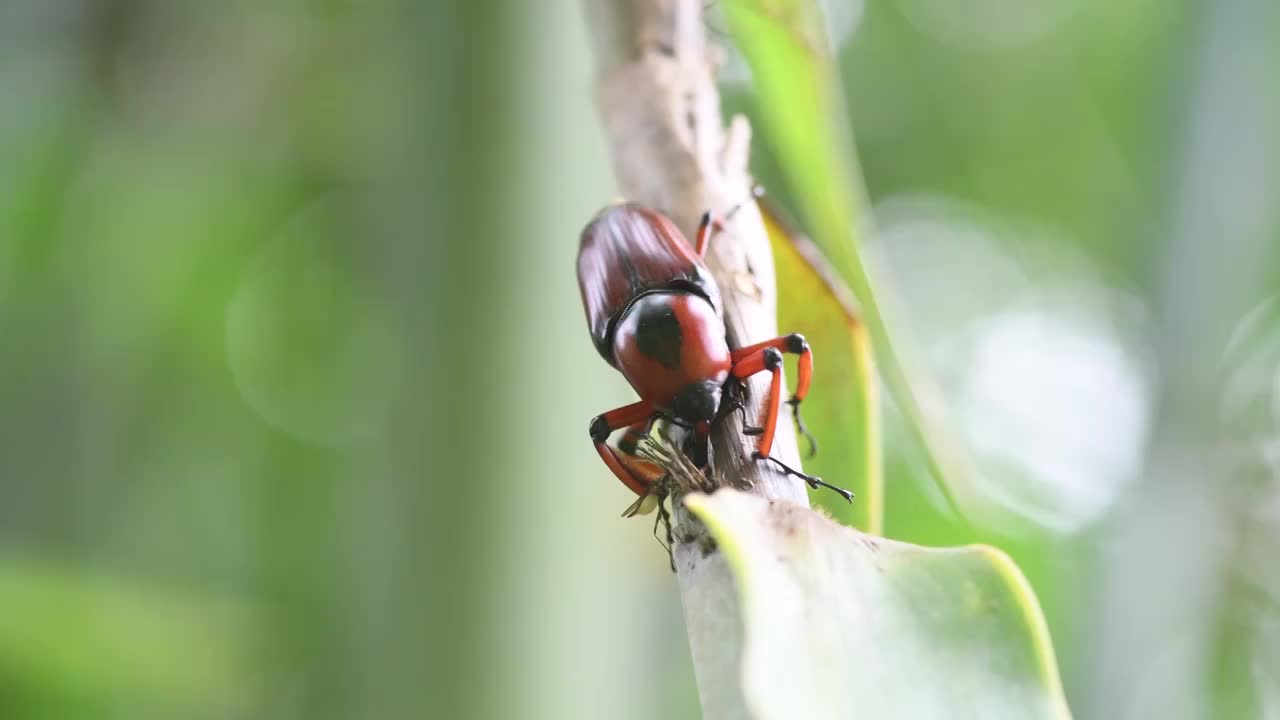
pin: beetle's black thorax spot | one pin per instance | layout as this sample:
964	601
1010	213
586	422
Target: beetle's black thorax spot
658	334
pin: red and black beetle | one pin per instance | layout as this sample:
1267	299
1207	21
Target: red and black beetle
653	310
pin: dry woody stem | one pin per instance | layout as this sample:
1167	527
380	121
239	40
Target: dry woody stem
672	150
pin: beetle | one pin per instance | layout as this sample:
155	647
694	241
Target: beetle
652	309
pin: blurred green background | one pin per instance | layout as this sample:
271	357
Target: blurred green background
294	379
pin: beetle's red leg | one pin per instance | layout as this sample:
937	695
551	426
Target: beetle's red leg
644	470
634	434
761	358
628	470
796	345
710	223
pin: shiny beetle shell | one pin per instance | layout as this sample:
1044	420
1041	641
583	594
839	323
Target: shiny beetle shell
626	251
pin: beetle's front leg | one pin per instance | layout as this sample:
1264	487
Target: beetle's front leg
711	223
638	475
766	357
760	360
796	345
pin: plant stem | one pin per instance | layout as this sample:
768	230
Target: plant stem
671	150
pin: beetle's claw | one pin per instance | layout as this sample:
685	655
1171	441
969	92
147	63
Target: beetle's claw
664	518
795	412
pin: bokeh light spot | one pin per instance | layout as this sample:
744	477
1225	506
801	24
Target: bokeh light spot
311	350
1041	363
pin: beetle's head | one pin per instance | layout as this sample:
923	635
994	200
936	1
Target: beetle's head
697	402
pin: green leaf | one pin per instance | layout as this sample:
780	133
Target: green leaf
842	409
802	110
840	624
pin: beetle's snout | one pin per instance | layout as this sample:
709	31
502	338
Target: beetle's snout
697	402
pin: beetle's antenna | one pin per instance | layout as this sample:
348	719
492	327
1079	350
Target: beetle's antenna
814	482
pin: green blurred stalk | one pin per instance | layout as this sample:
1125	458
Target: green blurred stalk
798	99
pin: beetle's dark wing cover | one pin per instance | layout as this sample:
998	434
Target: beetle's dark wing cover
627	250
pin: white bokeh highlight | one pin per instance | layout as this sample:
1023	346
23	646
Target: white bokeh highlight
1041	364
